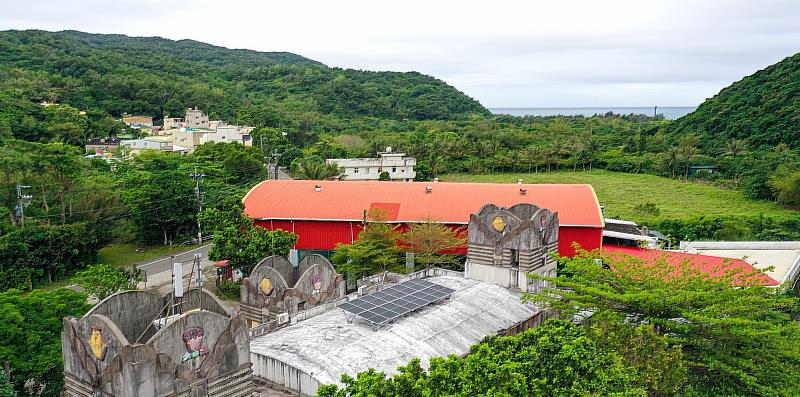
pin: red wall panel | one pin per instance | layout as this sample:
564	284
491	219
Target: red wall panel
587	238
324	235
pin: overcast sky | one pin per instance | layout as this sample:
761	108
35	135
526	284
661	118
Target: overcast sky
503	53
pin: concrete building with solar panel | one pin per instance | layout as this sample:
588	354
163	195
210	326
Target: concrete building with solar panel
395	318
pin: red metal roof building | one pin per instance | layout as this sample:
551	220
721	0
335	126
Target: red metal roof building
324	213
713	265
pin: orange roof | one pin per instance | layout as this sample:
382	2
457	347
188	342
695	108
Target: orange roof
409	202
713	265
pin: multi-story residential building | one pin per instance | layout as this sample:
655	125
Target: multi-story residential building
173	123
399	166
223	133
189	137
231	133
96	145
196	118
138	121
162	143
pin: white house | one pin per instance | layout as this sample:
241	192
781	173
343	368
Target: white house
399	166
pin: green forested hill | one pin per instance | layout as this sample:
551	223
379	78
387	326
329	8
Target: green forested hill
763	110
107	75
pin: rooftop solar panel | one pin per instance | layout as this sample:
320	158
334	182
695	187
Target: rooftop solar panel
387	305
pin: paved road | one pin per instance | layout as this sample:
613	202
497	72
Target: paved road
164	264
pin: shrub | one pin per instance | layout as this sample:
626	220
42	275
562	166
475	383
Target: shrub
647	209
229	289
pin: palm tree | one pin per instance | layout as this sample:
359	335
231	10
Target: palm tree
671	159
318	170
688	153
436	163
532	154
591	148
735	148
474	165
577	148
555	150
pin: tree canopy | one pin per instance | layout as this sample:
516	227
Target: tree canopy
739	338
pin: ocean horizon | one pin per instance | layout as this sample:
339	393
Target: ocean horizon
669	112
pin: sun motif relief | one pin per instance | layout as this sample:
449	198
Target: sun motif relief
266	286
499	224
97	343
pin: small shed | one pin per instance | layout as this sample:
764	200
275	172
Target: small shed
697	170
224	270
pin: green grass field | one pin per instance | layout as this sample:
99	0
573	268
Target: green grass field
126	254
620	193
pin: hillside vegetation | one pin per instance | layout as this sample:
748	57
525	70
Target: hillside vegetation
108	75
763	110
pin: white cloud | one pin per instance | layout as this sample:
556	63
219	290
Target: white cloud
503	53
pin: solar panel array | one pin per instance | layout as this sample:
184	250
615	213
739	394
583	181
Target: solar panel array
387	305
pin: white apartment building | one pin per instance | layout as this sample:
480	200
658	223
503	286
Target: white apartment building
399	166
163	144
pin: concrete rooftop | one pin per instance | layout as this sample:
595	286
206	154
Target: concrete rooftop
327	346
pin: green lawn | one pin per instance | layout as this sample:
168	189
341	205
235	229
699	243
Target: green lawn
125	254
621	192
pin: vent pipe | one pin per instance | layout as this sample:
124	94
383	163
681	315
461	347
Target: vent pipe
428	189
317	188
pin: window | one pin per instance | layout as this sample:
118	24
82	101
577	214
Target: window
394	169
355	170
514	258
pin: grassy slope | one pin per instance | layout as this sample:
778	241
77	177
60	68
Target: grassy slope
621	192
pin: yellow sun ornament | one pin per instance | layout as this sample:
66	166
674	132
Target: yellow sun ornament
499	224
97	343
266	286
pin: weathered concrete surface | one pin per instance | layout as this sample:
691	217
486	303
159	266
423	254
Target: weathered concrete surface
319	350
100	358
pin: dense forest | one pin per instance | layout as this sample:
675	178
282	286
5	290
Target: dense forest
111	75
762	110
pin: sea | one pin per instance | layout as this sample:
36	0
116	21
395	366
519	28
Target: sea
670	113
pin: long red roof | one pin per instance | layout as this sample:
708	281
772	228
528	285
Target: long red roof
409	202
713	265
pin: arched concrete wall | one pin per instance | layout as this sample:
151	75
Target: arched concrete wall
90	346
132	311
192	300
318	283
281	265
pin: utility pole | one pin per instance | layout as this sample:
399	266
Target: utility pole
23	200
276	157
197	176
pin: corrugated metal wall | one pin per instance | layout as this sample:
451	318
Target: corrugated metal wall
324	235
588	238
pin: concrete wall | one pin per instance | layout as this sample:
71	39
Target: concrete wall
100	360
131	311
283	375
505	244
314	281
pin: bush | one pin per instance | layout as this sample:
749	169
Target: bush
229	289
647	209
